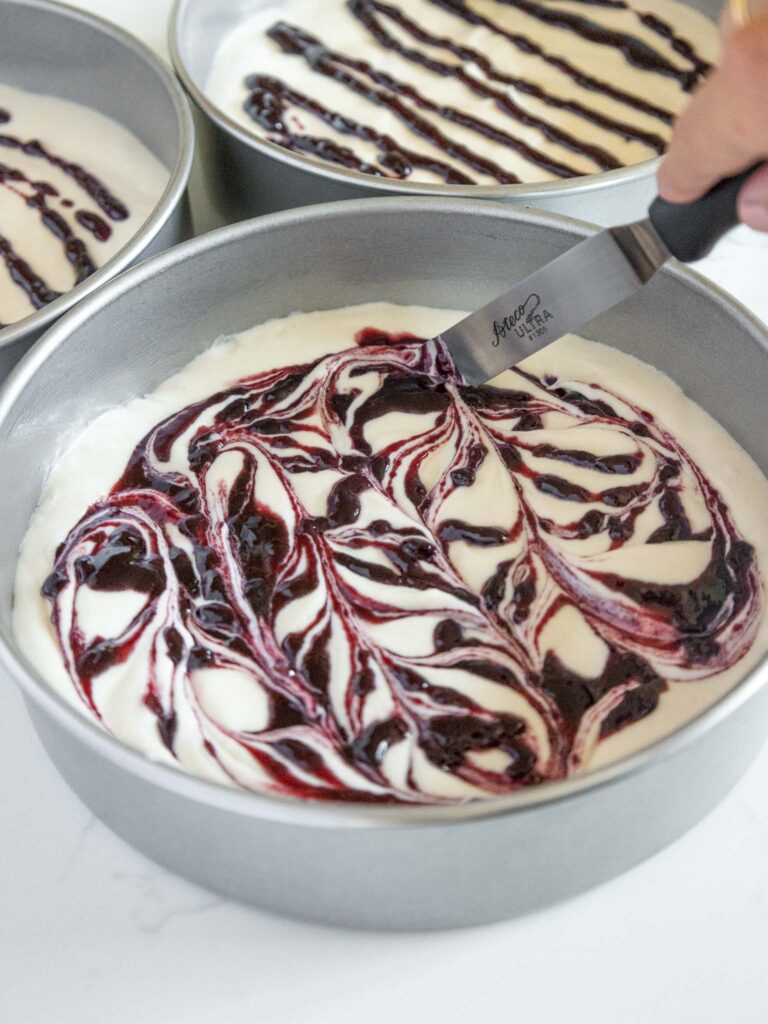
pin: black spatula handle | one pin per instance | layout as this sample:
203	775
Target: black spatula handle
690	230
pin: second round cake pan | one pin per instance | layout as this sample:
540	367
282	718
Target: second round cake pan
239	175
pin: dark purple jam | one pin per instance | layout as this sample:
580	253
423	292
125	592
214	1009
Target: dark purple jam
216	566
271	100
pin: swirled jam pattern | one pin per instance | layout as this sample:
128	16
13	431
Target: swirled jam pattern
354	578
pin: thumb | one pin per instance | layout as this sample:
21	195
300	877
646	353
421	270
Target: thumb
753	200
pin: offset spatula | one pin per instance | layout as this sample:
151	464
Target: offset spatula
588	279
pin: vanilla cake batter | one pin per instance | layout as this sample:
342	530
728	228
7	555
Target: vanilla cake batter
313	564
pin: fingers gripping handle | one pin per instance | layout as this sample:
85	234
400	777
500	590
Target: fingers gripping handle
690	230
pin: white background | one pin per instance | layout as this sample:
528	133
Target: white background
91	933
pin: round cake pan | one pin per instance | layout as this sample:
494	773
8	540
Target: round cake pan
374	866
239	175
49	48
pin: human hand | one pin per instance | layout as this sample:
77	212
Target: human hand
724	130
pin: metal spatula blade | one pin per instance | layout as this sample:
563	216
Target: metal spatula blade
568	292
593	276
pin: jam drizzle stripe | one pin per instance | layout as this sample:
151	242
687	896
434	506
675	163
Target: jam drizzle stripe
75	250
268	102
89	183
635	51
662	28
30	282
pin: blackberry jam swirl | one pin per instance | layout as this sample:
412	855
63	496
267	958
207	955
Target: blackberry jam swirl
355	578
480	92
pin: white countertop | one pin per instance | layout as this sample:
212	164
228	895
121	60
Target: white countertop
91	932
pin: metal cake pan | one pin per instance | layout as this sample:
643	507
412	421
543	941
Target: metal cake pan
238	175
373	866
49	48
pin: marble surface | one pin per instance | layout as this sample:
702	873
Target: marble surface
91	932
